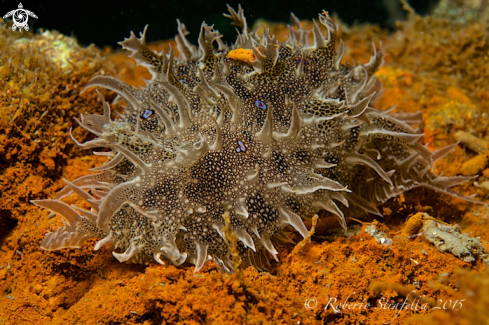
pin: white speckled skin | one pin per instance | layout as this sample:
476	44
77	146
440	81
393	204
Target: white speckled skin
273	139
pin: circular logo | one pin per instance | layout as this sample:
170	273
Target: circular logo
20	17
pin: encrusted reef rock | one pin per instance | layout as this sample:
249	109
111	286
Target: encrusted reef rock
450	239
271	132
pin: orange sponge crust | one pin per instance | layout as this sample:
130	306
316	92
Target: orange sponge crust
243	55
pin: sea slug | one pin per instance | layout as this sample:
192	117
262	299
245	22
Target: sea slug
270	132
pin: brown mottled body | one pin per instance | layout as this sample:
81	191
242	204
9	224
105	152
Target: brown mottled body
272	135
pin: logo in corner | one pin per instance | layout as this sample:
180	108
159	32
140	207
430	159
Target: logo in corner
20	17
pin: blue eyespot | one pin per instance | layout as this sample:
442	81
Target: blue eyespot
147	113
241	147
299	61
184	81
260	104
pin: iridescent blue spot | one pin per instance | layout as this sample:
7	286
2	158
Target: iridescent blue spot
184	81
260	104
299	61
147	113
241	147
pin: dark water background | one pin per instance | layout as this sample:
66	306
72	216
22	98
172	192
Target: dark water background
107	22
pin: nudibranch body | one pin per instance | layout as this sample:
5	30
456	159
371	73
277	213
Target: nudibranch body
271	132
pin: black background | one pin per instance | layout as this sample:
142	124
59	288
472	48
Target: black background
107	22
